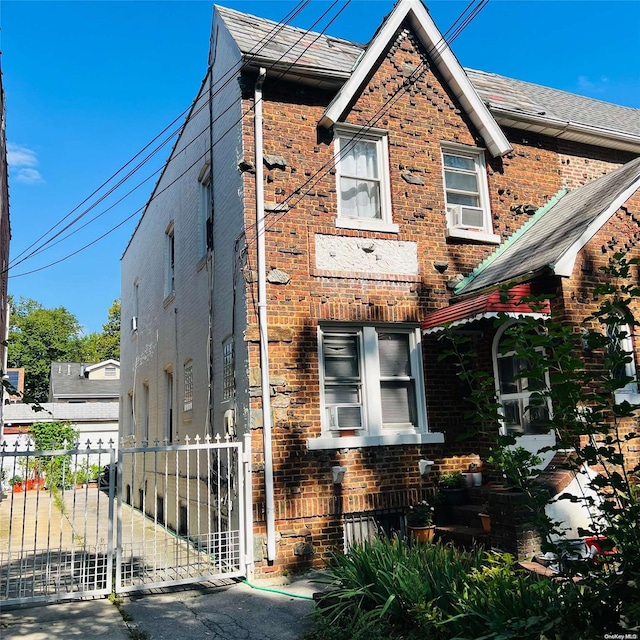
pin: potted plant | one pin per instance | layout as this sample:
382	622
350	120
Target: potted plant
485	518
17	482
420	522
94	475
453	486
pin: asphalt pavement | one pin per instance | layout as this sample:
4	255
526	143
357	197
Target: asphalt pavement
275	609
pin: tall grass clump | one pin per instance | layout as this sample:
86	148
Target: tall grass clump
390	590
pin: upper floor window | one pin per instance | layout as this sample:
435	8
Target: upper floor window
467	194
362	170
205	209
523	403
371	380
170	261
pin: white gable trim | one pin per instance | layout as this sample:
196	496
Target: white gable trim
564	265
102	364
446	62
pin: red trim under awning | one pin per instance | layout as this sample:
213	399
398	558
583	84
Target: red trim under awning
488	305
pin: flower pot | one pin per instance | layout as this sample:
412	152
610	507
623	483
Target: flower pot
485	521
422	534
18	487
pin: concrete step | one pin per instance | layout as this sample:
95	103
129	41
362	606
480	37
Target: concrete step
466	515
463	536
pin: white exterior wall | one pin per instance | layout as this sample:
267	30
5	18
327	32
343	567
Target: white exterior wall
173	330
230	312
95	422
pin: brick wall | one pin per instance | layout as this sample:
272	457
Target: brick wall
418	120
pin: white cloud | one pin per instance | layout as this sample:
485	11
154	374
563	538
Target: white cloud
587	85
20	156
23	161
28	176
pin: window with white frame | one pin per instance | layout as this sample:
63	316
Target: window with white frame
371	380
170	261
622	357
466	193
205	209
362	173
188	386
524	407
228	386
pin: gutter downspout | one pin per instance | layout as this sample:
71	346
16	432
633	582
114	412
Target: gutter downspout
262	321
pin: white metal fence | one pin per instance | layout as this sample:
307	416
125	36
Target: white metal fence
159	515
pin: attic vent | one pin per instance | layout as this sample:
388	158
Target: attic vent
110	372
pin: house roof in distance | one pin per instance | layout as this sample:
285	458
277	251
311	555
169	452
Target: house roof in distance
69	380
321	60
550	241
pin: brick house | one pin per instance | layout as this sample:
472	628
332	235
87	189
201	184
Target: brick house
326	208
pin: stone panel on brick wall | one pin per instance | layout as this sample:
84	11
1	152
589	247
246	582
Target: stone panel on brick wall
366	255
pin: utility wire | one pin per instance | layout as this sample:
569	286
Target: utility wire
434	51
304	34
226	77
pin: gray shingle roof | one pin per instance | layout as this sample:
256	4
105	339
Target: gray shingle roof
67	380
335	58
500	92
305	49
553	230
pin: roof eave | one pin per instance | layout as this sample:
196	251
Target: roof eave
443	57
296	72
567	130
565	263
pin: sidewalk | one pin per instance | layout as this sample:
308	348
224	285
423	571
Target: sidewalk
216	612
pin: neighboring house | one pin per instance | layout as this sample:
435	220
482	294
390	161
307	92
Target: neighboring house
283	290
80	382
15	378
86	395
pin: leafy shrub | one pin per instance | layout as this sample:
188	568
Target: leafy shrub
388	589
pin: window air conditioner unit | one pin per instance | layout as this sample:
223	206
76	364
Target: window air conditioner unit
463	216
134	323
343	417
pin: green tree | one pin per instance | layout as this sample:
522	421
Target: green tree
37	337
97	347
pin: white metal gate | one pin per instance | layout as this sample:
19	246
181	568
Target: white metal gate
160	515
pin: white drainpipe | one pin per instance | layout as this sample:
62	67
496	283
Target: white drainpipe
262	322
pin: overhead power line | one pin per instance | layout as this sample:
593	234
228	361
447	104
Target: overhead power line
220	83
465	18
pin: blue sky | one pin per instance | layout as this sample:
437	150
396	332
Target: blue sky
89	83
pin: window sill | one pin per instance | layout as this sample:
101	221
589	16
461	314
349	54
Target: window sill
367	224
631	398
169	299
386	439
473	236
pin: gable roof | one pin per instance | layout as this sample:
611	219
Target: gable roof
329	62
551	240
297	53
67	380
454	76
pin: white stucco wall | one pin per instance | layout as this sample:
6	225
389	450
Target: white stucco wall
175	330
